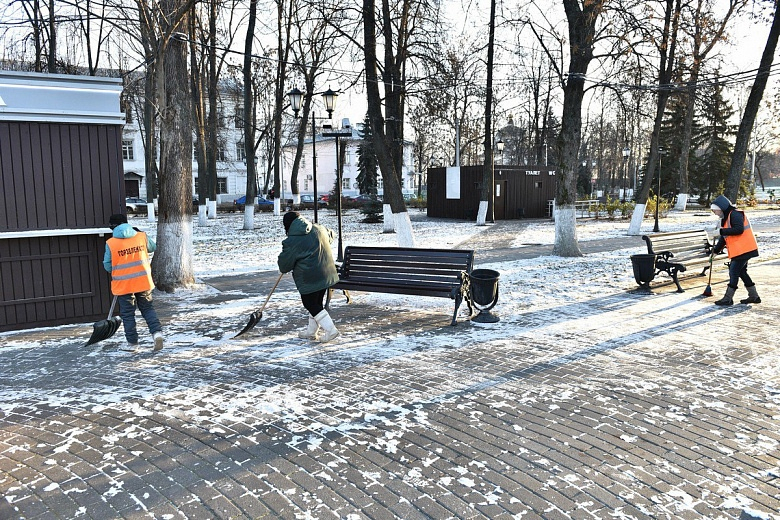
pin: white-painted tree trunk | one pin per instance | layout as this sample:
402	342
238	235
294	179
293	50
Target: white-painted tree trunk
150	211
277	207
566	232
212	209
482	213
202	217
635	228
296	198
249	217
177	237
388	219
403	226
682	202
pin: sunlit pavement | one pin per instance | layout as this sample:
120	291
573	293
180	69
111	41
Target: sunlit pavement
624	406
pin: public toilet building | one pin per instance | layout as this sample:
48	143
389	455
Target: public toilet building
520	192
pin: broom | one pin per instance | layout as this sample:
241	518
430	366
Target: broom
708	289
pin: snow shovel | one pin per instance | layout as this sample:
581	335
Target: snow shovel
255	316
104	329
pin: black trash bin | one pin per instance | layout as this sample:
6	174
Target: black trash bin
483	289
644	269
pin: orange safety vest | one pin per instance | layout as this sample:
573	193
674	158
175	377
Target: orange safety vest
742	243
130	268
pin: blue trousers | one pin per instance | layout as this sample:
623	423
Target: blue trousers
737	271
127	306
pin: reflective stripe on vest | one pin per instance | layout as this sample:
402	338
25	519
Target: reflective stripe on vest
742	243
130	271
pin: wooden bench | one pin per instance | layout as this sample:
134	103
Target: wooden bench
441	273
677	252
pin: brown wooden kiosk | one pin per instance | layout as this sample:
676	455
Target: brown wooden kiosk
521	192
60	179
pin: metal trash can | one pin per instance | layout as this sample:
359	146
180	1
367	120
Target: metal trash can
644	269
483	290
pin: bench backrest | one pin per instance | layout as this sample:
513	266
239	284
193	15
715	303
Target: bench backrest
678	243
399	265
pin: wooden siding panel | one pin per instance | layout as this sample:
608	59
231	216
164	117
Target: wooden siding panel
56	176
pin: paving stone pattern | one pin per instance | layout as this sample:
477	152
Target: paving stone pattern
663	407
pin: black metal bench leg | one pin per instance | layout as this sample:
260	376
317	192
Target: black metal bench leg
676	282
329	296
458	299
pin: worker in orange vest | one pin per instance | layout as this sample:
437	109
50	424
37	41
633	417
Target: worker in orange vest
736	234
127	259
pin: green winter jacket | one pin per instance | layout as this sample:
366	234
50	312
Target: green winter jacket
306	252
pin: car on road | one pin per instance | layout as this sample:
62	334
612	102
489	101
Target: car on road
307	201
261	201
135	205
365	198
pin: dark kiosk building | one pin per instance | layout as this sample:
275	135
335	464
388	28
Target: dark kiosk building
520	192
60	180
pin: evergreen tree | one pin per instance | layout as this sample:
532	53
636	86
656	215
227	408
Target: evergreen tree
669	140
710	166
368	166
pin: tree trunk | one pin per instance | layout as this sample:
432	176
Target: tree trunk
392	187
582	24
486	210
172	263
751	109
249	127
667	55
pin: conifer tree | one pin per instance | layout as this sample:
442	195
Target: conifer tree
710	166
367	173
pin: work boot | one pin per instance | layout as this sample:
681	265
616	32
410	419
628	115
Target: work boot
752	295
329	330
158	341
728	297
311	331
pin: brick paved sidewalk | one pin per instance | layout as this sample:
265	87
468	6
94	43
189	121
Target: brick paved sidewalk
624	405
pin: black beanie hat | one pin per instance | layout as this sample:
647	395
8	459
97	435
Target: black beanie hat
288	219
116	219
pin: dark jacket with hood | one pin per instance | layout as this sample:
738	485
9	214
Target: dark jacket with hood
736	220
306	252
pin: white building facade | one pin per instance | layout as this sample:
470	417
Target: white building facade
231	161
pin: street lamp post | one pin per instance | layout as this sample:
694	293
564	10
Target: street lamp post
500	149
661	153
345	131
329	97
626	155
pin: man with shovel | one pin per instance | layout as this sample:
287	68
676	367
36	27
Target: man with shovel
127	259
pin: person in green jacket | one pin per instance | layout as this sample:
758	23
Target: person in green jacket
306	252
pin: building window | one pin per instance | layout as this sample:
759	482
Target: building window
239	117
380	184
306	184
222	183
127	150
346	184
240	151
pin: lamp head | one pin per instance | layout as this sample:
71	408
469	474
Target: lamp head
329	97
296	96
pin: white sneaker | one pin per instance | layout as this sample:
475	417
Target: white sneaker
129	347
158	341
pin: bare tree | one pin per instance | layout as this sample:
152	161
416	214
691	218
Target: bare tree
172	263
667	55
751	109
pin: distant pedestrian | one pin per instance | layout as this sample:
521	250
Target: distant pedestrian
127	259
737	236
306	252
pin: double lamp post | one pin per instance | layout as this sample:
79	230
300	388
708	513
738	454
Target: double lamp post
329	98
